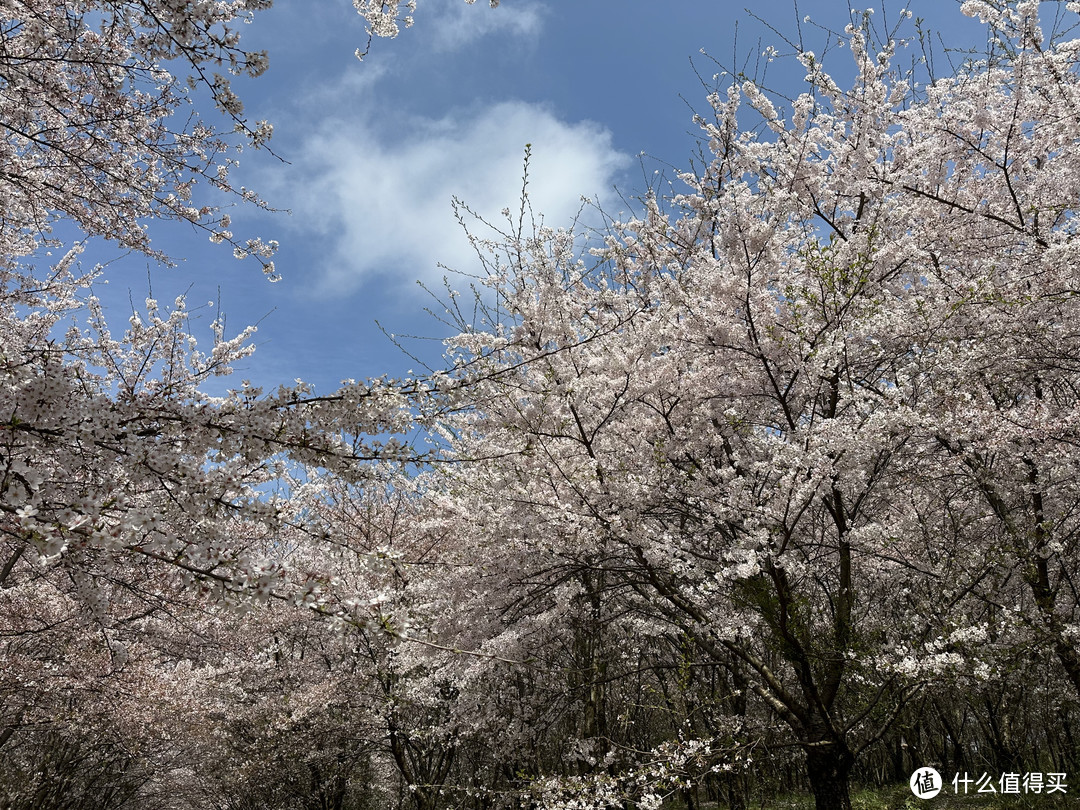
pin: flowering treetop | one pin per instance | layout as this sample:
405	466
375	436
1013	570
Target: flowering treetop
111	455
780	418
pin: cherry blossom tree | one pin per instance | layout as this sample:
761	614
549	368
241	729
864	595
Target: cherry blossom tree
385	18
179	697
110	450
122	483
779	419
88	104
91	109
1009	431
808	428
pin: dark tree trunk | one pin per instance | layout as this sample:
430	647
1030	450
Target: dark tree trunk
737	791
829	767
899	772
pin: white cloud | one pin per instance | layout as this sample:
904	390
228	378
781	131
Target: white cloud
382	202
455	24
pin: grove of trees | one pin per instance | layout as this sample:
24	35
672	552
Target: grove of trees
772	487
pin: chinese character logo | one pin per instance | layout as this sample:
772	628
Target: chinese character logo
926	783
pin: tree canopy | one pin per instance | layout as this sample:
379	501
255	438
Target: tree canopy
771	486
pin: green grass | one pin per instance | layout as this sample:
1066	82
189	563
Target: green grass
900	797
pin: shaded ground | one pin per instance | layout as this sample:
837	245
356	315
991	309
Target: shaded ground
901	798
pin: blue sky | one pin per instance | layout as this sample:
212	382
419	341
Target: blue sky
376	150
